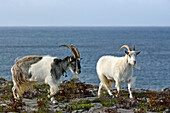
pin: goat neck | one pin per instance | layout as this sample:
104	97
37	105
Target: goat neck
65	63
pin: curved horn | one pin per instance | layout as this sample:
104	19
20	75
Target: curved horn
133	47
72	50
78	54
126	46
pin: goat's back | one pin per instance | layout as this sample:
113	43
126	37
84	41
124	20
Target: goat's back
105	65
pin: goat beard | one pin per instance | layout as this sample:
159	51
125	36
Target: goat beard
136	67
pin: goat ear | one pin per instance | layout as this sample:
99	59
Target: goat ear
57	61
80	58
137	52
126	52
71	59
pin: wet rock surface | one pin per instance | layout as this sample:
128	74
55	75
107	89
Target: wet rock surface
77	97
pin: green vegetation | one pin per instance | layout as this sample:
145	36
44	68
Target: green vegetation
1	108
43	105
106	102
82	104
43	86
142	102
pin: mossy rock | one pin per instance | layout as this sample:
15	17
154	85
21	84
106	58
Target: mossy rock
2	79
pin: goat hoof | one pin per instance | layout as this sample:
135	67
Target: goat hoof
99	96
54	102
117	96
17	98
48	96
113	96
130	97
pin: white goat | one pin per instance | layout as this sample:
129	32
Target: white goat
117	69
30	70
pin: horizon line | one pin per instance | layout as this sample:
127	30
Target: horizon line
83	26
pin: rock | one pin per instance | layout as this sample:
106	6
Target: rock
166	89
96	106
124	110
30	102
90	94
80	111
103	109
3	105
166	111
147	99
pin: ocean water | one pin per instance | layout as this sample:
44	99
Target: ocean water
92	42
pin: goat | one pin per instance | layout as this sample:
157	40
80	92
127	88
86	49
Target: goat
30	70
117	69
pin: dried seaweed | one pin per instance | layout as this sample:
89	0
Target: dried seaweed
143	101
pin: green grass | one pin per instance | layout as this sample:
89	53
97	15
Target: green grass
82	104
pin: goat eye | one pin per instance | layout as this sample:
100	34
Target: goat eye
129	55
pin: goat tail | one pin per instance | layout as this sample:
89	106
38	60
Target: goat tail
16	60
20	79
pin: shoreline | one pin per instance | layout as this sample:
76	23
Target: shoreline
77	97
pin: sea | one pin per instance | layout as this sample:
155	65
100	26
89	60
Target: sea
92	43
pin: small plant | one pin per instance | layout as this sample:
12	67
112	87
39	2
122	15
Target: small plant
15	105
108	110
2	108
82	104
158	101
73	89
106	102
42	105
140	95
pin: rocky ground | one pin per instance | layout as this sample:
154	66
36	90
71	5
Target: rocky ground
77	97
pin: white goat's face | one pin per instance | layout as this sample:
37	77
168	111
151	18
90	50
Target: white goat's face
75	66
132	57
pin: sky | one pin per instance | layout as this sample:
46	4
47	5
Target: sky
84	12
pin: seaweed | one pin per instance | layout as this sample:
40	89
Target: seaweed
158	101
43	105
143	101
15	105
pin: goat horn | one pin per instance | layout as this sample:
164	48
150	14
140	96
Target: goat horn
78	54
126	46
133	47
72	50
